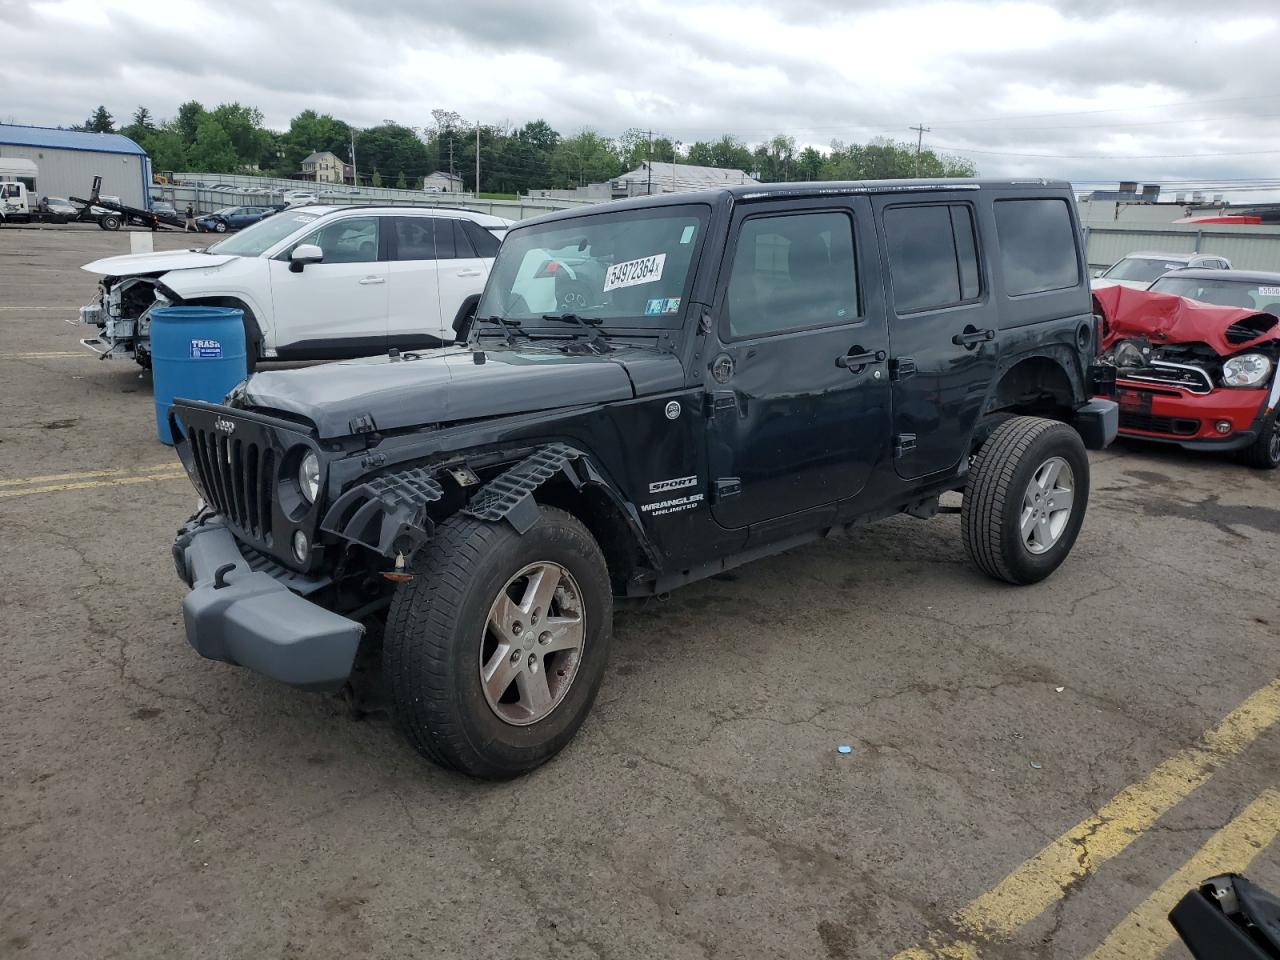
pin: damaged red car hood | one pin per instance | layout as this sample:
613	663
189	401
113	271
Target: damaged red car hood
1164	318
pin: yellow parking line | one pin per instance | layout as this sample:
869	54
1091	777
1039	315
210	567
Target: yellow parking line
90	484
1034	886
1146	933
85	474
44	355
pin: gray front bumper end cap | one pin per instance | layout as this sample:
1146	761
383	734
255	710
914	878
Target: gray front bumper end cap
255	621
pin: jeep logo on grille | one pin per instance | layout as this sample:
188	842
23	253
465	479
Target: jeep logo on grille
223	425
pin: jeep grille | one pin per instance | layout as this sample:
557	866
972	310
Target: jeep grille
238	477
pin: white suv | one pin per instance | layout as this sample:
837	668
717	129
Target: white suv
313	282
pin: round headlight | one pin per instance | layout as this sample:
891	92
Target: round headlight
1246	370
309	477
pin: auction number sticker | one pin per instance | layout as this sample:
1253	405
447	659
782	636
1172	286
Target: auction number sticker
634	272
1269	291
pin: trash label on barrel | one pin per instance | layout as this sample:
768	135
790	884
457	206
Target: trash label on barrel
206	350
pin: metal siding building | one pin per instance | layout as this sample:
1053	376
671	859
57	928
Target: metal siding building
68	160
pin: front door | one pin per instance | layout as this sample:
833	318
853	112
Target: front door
798	392
942	328
337	306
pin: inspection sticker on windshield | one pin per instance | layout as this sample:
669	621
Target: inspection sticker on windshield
303	219
1269	291
634	272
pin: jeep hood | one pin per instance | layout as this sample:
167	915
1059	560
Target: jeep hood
134	264
456	383
1163	318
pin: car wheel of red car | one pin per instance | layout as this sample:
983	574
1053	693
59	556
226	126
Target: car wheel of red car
1264	453
1025	500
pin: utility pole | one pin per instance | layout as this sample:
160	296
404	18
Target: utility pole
355	175
650	164
675	147
920	130
477	160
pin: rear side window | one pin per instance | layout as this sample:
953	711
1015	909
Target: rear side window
933	256
414	240
485	243
1037	246
792	272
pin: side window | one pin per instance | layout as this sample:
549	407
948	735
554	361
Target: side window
462	242
485	243
933	256
414	238
445	247
1037	246
347	241
791	272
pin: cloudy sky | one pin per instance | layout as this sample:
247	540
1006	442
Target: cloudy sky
1101	90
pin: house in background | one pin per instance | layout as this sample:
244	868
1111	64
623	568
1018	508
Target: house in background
442	182
323	167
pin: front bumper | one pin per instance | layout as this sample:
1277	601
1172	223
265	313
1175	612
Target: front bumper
1191	420
252	619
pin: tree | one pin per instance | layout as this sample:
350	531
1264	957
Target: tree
376	179
243	126
142	119
310	132
389	146
401	183
808	165
166	149
99	122
728	152
213	151
586	158
187	122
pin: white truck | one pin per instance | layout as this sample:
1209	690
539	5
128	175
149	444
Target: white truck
20	203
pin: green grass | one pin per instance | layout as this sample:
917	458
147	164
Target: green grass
498	196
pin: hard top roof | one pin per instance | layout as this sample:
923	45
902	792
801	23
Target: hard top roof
1239	276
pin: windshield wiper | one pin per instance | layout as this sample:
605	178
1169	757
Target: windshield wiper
589	325
506	326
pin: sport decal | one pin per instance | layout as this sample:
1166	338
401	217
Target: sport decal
633	272
677	483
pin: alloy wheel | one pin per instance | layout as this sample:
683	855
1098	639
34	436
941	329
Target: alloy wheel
532	643
1046	505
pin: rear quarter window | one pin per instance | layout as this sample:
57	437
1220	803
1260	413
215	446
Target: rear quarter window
1037	246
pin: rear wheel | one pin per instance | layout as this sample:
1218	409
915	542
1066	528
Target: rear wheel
109	221
1264	453
1025	500
494	652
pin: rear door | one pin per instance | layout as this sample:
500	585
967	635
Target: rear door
798	397
337	306
462	270
414	316
942	328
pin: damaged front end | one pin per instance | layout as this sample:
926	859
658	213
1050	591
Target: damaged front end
122	315
1201	376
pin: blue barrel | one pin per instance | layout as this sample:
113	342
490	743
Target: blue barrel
197	353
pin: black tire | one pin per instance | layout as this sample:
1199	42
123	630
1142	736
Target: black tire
1264	453
220	227
109	222
432	648
992	512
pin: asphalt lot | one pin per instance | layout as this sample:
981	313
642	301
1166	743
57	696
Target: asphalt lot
157	805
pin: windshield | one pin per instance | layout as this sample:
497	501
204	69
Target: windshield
1250	295
631	268
1142	268
254	241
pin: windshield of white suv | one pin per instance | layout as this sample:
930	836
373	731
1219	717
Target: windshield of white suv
254	241
1247	294
631	265
1142	269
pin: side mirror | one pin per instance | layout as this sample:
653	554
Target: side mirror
303	254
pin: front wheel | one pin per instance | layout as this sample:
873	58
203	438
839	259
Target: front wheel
1264	453
495	650
109	222
220	227
1025	500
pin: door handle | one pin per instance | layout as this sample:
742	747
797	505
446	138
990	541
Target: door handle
857	358
972	336
470	273
368	281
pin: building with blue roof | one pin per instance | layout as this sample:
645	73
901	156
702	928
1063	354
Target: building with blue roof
66	161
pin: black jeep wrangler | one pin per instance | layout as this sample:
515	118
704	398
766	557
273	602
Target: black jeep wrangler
654	391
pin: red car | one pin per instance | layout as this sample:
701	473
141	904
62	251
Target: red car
1194	374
